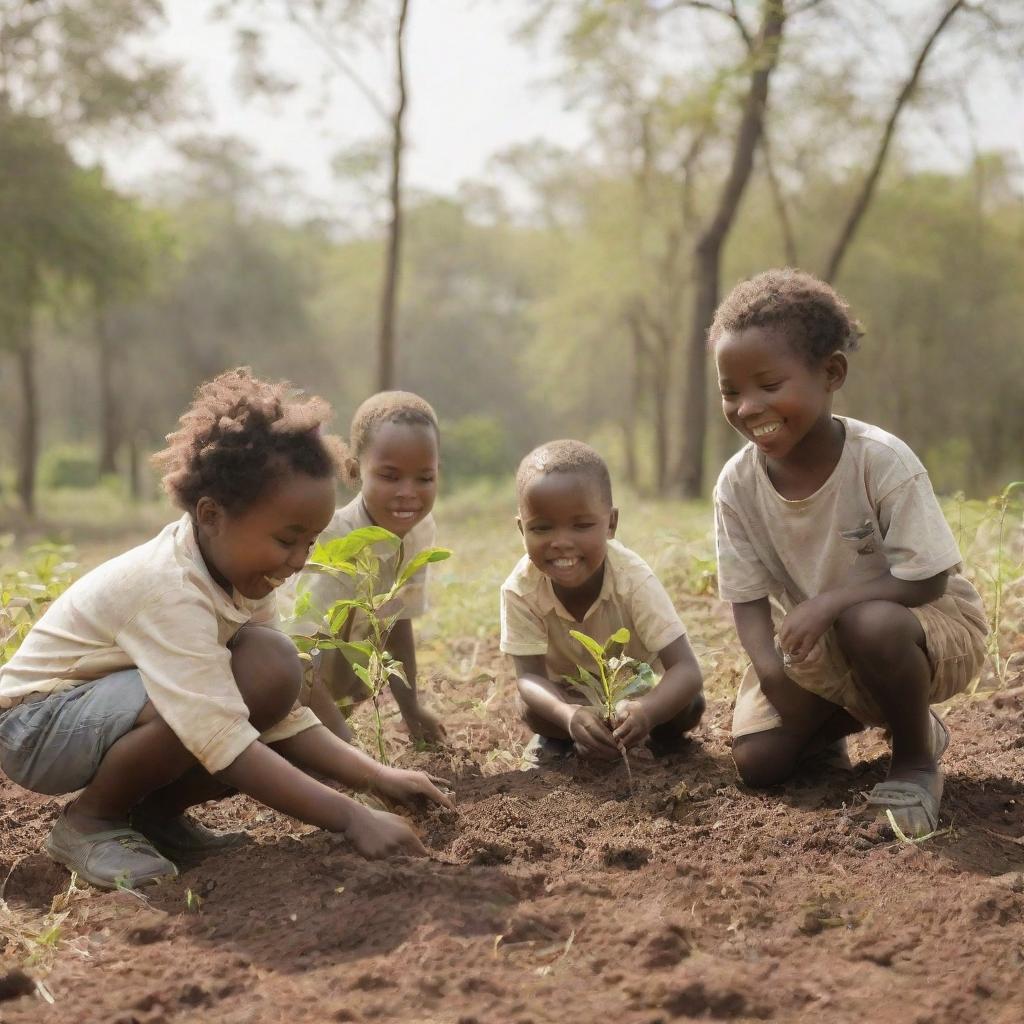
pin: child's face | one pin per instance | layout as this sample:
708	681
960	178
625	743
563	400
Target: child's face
770	393
398	475
566	525
256	550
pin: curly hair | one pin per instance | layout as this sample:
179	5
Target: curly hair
564	457
240	435
385	407
818	319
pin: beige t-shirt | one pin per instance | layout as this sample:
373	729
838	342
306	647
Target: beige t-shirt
155	608
534	621
876	512
324	589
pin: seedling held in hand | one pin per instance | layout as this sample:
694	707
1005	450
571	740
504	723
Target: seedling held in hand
618	678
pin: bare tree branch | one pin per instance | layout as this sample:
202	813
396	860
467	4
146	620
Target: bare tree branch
779	201
867	190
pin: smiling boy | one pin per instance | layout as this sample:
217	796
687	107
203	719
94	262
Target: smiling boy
835	523
575	576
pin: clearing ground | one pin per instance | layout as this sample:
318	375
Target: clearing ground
555	895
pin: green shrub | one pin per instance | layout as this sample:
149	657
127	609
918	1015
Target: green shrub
474	447
69	466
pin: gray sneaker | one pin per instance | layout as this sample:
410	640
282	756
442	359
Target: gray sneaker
182	834
118	858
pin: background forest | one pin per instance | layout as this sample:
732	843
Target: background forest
565	292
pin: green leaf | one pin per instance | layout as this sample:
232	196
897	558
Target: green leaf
419	560
364	674
337	553
338	613
620	636
590	644
357	652
642	682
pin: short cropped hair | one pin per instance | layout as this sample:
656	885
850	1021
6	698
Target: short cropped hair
386	407
240	436
817	318
564	457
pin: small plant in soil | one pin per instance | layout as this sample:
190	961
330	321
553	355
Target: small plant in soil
353	558
618	678
26	591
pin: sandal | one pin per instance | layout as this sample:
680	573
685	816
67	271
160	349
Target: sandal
915	810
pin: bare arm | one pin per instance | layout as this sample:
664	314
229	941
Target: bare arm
679	684
422	722
807	622
757	635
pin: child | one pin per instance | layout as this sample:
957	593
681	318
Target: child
574	576
835	520
159	680
393	457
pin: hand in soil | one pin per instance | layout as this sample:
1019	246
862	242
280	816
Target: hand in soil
592	736
377	834
424	725
405	786
632	724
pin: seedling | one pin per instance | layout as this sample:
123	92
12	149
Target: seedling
618	678
352	558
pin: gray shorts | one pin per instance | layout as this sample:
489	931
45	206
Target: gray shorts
54	743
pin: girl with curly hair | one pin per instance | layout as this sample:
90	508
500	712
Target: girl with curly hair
831	524
393	460
161	680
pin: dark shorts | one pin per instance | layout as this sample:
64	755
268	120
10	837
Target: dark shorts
54	743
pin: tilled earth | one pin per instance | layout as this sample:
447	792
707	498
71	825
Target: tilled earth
556	895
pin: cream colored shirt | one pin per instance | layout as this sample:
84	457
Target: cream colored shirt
155	608
534	621
324	589
876	512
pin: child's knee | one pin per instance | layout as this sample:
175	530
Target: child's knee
881	630
268	671
762	760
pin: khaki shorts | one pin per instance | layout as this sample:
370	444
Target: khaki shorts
954	632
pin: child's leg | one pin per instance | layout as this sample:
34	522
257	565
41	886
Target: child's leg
885	644
334	679
150	760
809	724
668	734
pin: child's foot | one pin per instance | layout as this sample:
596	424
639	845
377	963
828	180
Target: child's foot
543	751
182	834
111	859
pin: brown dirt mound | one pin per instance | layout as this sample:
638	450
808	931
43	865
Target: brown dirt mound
554	895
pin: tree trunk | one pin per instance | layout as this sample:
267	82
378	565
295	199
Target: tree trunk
109	425
708	249
389	292
28	447
867	190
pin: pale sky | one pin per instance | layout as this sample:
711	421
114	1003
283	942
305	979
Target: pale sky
475	90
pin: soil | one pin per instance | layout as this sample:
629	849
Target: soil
552	895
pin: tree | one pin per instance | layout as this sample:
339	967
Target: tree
338	28
68	70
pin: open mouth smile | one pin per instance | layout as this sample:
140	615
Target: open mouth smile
764	429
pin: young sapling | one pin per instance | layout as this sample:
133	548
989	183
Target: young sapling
353	557
619	678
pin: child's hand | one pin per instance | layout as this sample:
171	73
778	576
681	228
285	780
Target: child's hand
424	725
802	628
632	724
593	738
377	834
405	786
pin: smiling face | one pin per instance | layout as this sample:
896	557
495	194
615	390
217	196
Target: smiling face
771	394
398	475
256	550
566	524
